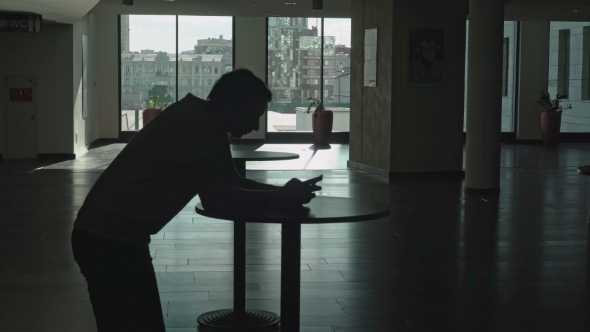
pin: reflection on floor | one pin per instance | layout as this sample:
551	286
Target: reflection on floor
444	261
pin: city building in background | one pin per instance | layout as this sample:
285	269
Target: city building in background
214	46
150	72
296	71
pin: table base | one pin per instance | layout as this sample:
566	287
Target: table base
228	320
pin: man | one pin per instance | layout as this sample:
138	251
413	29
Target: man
183	152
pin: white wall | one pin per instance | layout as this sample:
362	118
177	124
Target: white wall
106	64
48	57
102	79
250	52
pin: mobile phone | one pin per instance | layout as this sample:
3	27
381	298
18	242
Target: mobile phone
314	180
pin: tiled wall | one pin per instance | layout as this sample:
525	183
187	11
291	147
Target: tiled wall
576	119
507	101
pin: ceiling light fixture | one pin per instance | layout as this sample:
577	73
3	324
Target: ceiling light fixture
127	2
317	5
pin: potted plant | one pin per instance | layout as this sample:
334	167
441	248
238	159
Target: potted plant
321	122
551	117
153	109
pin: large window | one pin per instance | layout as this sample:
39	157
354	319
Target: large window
150	54
569	60
296	71
563	66
508	74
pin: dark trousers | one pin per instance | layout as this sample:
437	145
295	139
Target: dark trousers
121	283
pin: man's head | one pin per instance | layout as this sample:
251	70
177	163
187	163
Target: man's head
240	98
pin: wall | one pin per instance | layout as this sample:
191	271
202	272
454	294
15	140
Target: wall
356	81
250	52
370	127
48	56
402	128
534	57
102	70
427	122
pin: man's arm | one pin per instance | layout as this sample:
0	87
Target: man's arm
217	193
234	179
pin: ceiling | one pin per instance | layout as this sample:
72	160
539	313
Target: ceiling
62	11
70	11
298	8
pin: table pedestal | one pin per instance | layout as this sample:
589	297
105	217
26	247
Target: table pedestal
290	276
240	167
238	318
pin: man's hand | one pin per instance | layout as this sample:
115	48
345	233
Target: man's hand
297	192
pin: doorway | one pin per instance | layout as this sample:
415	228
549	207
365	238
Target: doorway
21	118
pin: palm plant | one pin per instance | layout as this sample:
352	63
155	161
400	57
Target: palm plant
553	104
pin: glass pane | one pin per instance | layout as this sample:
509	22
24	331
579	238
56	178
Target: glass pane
337	81
508	79
148	47
205	46
569	61
294	46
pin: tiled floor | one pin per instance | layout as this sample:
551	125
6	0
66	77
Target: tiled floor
444	261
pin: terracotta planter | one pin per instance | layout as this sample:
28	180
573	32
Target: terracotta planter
550	126
149	114
322	127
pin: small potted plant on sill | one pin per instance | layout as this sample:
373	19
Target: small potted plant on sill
153	109
551	117
321	122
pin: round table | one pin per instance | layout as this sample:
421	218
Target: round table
240	158
322	209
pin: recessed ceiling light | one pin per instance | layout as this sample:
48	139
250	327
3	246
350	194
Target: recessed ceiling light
290	3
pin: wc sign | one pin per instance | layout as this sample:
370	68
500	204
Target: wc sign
21	23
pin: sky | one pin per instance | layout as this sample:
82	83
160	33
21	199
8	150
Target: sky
157	32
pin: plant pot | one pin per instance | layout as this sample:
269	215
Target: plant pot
550	126
149	114
322	127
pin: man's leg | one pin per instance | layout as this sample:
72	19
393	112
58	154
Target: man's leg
121	283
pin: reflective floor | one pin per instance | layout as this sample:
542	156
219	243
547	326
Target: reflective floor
443	261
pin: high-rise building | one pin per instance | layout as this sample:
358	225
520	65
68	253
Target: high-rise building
284	64
125	33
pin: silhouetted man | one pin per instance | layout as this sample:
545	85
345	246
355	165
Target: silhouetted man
182	152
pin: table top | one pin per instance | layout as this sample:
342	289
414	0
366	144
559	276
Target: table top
262	155
584	170
333	109
322	209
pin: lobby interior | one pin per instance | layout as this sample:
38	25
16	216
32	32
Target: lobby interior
487	230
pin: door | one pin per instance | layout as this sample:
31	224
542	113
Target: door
21	118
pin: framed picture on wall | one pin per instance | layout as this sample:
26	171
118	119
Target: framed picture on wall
426	56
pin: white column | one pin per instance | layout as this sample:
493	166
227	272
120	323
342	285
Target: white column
484	95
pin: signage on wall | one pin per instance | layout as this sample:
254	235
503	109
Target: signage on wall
21	23
20	95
